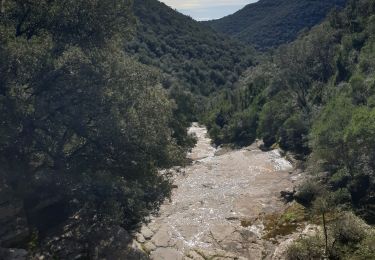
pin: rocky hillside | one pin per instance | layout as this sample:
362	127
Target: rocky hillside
269	23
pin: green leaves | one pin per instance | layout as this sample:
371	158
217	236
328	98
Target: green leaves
84	23
360	133
327	133
80	120
314	97
200	60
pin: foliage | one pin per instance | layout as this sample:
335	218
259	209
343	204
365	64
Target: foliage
285	223
315	97
308	191
366	249
269	23
232	116
306	248
81	122
349	238
272	115
185	51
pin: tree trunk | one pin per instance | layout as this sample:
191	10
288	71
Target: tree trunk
325	236
2	6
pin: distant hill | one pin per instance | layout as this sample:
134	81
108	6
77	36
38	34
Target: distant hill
270	23
188	51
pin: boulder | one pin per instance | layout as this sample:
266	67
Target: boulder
149	246
162	238
288	195
146	232
166	254
140	238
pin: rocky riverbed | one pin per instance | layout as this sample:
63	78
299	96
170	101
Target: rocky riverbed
218	207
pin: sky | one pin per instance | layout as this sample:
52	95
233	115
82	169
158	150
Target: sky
202	10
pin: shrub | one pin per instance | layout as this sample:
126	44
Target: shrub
366	249
308	192
272	116
348	229
348	233
342	196
306	248
293	135
340	178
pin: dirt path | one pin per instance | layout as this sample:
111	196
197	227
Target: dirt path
215	197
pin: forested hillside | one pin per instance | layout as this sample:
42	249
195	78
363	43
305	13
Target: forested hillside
315	98
96	97
191	55
270	23
84	128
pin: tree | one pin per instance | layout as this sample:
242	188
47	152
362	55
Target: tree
81	122
273	115
327	138
322	205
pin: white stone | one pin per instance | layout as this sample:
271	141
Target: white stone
140	238
146	232
149	246
166	254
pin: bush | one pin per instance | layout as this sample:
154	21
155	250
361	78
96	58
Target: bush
308	192
366	249
306	248
271	118
342	196
348	233
340	178
242	128
293	135
348	229
348	238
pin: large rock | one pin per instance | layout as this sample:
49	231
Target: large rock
149	246
288	195
162	238
220	232
146	232
217	254
166	254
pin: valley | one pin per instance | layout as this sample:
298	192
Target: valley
214	198
131	131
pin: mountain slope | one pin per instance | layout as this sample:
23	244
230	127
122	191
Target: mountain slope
315	97
269	23
186	50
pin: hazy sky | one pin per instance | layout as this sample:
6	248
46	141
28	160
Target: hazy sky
207	9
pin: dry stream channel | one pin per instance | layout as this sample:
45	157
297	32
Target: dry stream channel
213	200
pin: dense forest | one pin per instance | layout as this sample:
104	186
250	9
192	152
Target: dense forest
269	23
315	98
84	127
96	97
190	55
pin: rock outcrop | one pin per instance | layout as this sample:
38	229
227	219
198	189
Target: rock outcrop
217	209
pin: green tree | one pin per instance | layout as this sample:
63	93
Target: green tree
81	122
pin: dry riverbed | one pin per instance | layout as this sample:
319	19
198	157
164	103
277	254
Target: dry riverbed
221	205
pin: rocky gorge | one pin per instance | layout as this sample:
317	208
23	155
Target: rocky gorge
226	204
223	206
